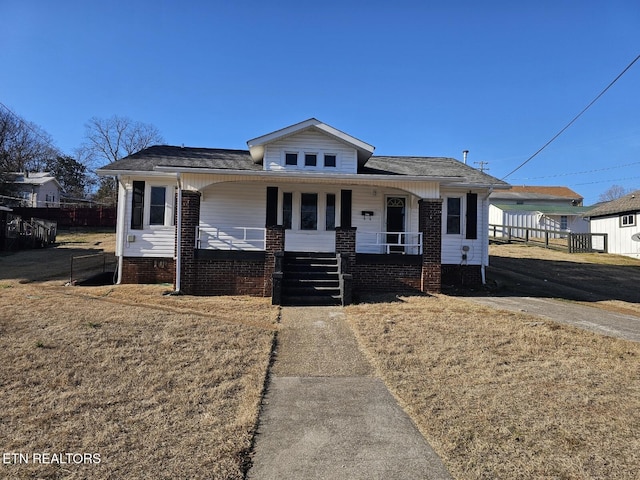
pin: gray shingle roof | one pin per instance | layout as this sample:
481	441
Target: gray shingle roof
429	166
627	204
214	158
169	156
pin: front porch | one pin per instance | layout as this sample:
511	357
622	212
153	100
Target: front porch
244	260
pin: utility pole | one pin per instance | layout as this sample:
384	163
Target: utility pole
482	164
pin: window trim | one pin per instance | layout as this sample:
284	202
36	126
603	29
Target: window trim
335	160
315	159
164	205
628	216
449	215
287	154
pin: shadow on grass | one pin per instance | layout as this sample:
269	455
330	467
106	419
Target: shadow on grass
515	277
43	264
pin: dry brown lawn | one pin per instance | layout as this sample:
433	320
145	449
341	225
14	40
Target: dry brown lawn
157	386
504	395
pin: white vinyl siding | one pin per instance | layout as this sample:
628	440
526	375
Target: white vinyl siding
226	209
310	143
453	244
619	238
372	199
150	241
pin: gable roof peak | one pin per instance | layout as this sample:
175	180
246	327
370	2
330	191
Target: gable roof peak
257	145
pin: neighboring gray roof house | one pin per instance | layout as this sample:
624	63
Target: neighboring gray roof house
36	189
629	203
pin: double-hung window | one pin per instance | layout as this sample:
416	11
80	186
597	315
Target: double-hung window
454	211
149	205
157	205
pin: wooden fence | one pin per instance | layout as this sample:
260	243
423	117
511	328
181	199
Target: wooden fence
72	217
558	239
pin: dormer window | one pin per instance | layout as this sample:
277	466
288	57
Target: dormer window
310	159
291	159
329	160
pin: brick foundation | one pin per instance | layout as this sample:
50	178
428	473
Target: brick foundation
386	278
148	270
462	275
229	273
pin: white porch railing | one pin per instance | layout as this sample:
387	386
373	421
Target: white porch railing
231	238
409	243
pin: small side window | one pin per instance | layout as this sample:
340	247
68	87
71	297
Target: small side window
310	160
329	160
291	159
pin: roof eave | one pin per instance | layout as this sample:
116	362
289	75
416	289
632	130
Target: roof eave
287	174
105	172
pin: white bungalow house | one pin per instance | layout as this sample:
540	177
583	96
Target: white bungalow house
537	208
307	212
620	220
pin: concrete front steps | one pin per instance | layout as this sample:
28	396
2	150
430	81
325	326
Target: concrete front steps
311	279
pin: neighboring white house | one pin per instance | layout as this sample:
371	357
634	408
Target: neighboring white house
537	207
36	189
620	220
305	191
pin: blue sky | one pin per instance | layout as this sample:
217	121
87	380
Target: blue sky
427	78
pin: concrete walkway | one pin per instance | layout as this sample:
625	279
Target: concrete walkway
325	416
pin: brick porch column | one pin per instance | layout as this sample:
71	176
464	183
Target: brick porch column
190	220
430	224
274	243
346	245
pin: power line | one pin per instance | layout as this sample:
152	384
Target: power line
30	127
580	173
573	120
606	181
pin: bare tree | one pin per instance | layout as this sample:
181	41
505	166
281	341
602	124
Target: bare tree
108	140
111	139
23	146
613	193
